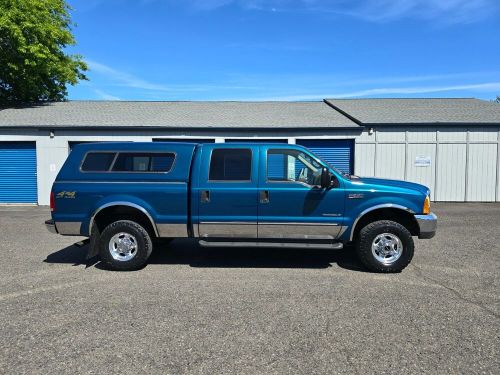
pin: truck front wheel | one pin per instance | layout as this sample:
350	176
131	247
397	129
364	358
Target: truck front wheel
385	246
125	245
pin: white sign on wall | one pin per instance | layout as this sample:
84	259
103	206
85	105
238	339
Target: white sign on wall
422	161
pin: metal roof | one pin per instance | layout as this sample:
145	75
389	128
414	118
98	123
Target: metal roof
418	111
221	114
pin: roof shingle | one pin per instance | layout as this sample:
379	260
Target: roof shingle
177	115
419	111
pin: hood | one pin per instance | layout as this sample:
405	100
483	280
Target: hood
396	183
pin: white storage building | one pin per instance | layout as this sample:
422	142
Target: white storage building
450	145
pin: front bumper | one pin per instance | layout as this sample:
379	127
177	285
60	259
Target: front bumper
427	225
51	226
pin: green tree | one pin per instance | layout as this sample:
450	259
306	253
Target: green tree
33	64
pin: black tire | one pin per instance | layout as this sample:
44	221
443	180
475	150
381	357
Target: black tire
142	250
370	232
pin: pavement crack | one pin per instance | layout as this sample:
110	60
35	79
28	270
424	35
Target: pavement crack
455	292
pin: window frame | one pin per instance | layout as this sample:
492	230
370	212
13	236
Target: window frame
118	152
231	181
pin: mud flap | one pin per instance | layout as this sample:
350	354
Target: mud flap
95	236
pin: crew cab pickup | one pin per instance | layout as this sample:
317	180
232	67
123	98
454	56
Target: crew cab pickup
123	195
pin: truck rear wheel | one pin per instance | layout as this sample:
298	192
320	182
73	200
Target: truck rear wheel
385	246
125	245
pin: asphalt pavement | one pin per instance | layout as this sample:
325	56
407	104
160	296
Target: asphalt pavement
199	310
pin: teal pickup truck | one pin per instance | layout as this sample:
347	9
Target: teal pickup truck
122	195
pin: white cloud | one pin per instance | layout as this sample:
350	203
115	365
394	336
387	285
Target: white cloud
284	87
492	87
448	11
125	79
105	96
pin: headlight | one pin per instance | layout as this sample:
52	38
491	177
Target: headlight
427	206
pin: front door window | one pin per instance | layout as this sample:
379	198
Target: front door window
293	166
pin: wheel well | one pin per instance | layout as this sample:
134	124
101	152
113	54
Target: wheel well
111	214
402	217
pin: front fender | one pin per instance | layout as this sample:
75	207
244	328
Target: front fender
355	211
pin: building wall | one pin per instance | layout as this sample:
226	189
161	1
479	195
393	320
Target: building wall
464	163
52	151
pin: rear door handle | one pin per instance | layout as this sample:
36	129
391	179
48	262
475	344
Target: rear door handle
264	196
205	196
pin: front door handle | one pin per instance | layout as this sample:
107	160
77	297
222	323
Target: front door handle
205	196
264	196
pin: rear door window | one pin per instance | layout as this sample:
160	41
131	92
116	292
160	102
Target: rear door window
98	161
227	164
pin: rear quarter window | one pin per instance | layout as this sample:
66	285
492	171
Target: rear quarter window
143	162
98	161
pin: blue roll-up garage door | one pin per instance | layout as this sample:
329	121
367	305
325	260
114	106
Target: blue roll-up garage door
337	152
18	172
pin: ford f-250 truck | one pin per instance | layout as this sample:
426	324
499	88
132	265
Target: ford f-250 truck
123	195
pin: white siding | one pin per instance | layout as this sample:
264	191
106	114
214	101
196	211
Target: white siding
422	135
481	172
453	135
51	154
498	168
482	135
365	137
390	161
391	135
451	172
421	174
364	159
465	163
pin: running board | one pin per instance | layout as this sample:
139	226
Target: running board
284	245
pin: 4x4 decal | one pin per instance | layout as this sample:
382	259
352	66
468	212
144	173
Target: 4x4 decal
66	194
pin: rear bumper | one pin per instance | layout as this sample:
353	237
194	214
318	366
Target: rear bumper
427	225
51	226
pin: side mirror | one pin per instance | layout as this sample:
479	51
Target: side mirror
335	182
326	178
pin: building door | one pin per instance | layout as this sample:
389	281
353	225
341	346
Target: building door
18	172
337	152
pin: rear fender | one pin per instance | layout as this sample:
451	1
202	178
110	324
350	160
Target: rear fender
120	200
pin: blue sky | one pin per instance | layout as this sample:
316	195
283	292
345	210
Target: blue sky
287	49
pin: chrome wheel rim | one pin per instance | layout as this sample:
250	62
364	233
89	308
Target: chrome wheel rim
123	246
387	248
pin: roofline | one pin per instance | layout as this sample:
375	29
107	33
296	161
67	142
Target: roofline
469	123
352	118
164	127
360	126
414	98
35	104
232	101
